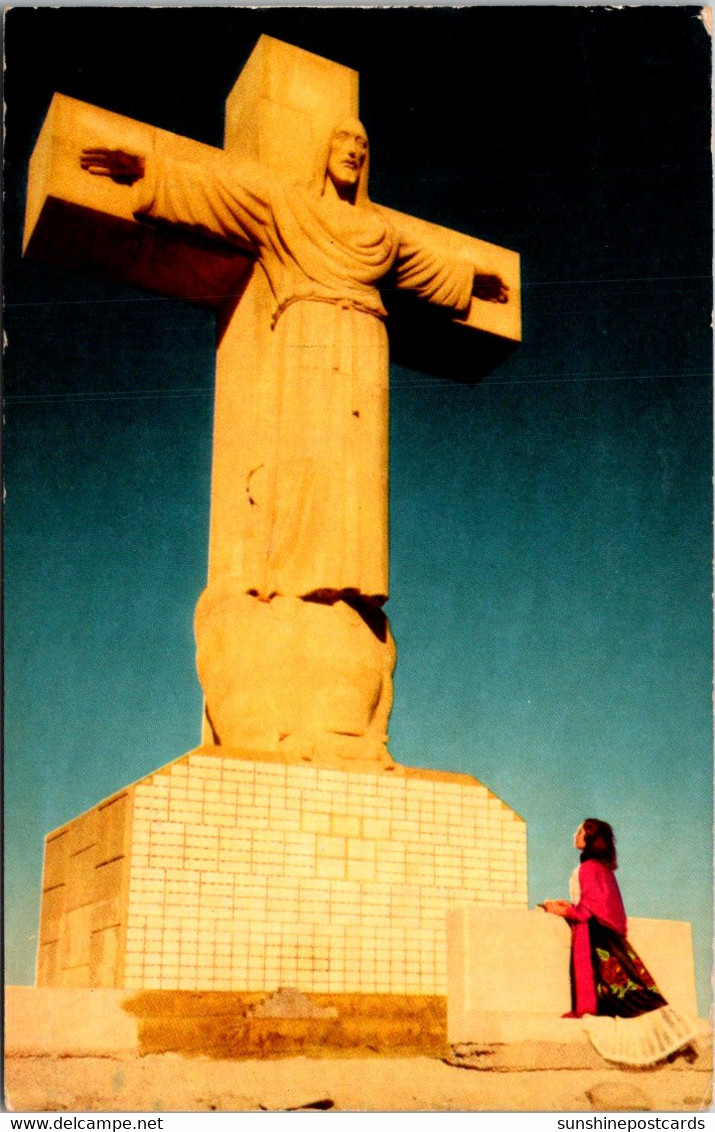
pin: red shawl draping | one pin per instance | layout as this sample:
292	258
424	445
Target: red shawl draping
600	898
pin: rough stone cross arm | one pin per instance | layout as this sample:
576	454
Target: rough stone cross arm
86	223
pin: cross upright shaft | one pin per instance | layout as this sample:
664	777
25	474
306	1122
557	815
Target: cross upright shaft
299	483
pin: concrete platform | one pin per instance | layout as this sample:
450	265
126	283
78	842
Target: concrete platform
64	1022
508	973
68	1022
73	1050
81	1022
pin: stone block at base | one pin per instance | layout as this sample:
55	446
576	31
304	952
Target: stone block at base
75	1022
226	871
63	1022
508	973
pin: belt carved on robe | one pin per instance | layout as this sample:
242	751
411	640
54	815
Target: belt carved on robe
345	305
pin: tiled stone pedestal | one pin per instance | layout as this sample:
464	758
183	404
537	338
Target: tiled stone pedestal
233	873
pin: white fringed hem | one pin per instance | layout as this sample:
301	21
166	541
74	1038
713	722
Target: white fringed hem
646	1039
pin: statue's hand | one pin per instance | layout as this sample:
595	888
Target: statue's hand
125	168
490	288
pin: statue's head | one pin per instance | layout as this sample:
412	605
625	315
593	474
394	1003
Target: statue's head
347	157
344	160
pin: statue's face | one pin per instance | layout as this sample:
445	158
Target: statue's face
348	150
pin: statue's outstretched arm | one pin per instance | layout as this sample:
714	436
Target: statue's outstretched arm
218	197
442	279
125	168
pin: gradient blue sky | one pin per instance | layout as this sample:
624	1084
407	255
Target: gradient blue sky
550	526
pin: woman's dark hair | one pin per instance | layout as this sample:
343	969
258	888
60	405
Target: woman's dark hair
600	843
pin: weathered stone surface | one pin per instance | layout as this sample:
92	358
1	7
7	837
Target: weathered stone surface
81	1022
85	896
282	103
617	1096
87	224
395	1083
289	1002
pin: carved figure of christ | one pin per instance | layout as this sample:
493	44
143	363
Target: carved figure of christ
324	249
294	653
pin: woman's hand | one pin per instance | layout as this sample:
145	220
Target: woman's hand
490	288
557	907
125	168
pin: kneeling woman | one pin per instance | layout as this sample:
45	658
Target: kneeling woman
608	978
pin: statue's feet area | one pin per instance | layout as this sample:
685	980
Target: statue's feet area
311	678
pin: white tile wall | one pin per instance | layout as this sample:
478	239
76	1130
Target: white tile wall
251	876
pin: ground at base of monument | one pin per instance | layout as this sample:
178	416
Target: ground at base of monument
78	1050
171	1083
84	1023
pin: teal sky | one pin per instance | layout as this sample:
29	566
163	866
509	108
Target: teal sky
550	525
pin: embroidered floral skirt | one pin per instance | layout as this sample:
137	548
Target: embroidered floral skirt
624	987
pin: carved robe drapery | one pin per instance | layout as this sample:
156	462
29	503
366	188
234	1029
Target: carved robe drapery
323	481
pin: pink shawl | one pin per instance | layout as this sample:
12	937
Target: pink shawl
600	897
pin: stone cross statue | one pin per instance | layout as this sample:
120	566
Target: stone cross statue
294	651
